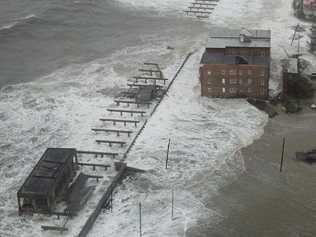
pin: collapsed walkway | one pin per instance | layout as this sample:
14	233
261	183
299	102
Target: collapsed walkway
201	9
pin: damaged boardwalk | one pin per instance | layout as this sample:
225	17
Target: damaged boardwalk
201	9
123	169
82	192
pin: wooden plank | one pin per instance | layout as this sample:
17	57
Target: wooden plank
204	8
142	112
93	165
57	228
118	102
204	3
110	142
94	176
150	78
98	153
149	70
152	64
202	16
143	85
124	121
119	120
118	131
200	12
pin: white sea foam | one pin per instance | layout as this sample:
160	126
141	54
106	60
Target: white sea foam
205	137
16	22
162	5
206	134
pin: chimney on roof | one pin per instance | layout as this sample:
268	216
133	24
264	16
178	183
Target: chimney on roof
245	36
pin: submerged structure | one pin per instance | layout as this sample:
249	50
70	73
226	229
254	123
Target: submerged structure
308	157
236	63
48	181
305	9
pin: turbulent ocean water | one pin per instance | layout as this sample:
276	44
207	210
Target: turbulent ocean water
61	64
39	37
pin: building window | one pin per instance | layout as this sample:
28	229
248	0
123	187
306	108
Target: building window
233	90
223	89
262	53
249	72
240	72
262	73
262	91
233	81
224	81
209	73
233	72
262	82
249	90
223	72
249	81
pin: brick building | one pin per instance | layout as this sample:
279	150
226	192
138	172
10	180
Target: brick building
236	63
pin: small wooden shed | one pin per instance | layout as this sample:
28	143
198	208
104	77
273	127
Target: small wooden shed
48	181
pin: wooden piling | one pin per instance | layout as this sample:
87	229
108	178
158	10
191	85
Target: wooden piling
167	154
140	219
172	203
282	156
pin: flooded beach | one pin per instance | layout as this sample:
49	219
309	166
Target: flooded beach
263	201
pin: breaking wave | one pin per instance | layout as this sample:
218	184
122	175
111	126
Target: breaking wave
17	22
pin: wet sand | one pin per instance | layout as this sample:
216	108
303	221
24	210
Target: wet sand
263	201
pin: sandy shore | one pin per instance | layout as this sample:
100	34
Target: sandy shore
263	201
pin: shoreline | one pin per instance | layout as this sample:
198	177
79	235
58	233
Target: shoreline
262	201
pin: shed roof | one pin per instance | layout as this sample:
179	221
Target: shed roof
221	58
43	176
223	38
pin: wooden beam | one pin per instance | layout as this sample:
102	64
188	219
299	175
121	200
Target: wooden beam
118	131
200	12
110	142
118	102
150	78
202	16
113	154
124	121
149	70
143	85
205	4
93	165
152	64
204	8
121	111
57	228
97	177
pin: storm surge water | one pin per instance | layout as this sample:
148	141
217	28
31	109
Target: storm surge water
62	62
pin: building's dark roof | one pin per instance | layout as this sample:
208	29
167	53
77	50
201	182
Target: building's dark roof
43	176
221	58
223	37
